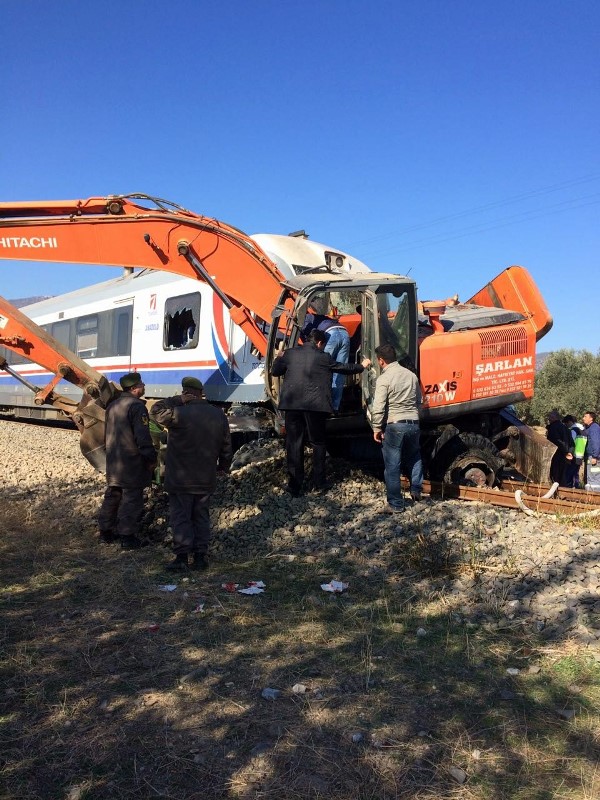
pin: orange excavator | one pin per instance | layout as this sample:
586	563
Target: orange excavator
474	359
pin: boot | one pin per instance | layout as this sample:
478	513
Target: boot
133	543
107	537
179	563
200	561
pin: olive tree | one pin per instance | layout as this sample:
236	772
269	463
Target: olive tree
569	381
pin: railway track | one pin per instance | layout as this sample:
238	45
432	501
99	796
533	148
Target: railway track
529	497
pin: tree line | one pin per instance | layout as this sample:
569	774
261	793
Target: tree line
569	381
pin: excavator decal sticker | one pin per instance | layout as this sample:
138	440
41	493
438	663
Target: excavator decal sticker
500	366
443	386
22	241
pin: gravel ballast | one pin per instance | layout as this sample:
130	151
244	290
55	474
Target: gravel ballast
497	567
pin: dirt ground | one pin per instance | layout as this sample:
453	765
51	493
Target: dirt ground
418	681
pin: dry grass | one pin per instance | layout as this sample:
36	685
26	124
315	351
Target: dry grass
96	703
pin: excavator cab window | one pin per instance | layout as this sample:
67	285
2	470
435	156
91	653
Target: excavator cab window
395	322
182	322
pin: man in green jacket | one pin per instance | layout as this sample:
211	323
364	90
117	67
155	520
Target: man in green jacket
199	443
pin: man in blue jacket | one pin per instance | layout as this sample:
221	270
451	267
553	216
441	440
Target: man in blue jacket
306	399
592	452
337	345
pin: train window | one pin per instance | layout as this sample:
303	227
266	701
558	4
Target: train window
182	322
62	332
87	337
11	357
122	332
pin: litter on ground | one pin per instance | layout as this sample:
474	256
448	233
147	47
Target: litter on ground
334	586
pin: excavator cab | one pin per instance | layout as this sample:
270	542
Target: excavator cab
374	308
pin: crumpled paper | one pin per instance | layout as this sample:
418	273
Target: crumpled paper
254	587
334	586
167	587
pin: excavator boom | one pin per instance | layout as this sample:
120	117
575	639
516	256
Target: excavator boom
165	237
24	337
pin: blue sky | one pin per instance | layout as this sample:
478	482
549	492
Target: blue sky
448	139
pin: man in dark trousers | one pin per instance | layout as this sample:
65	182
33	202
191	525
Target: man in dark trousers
130	461
306	400
198	443
558	433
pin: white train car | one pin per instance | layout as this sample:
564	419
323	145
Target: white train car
163	326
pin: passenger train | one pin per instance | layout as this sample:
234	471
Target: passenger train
162	325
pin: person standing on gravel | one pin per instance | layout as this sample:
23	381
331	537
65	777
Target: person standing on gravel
306	400
558	433
592	452
395	421
199	443
130	461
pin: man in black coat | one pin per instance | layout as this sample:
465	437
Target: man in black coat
306	399
130	461
558	433
199	442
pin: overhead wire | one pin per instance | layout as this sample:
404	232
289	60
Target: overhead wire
482	227
478	210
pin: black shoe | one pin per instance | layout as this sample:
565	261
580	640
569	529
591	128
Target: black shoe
323	487
416	496
133	543
293	491
200	561
108	537
179	563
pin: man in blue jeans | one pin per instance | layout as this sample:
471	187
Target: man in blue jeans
395	421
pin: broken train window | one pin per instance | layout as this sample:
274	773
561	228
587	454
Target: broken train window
182	322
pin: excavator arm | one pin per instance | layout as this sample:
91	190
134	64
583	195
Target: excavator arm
21	335
118	231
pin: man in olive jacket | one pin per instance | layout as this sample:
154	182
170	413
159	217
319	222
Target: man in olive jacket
306	399
130	461
198	442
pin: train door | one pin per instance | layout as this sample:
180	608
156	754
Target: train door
122	330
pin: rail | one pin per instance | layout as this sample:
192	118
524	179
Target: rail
566	502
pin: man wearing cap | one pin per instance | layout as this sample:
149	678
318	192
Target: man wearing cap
130	460
198	443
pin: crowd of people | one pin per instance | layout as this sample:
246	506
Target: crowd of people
199	442
576	462
199	446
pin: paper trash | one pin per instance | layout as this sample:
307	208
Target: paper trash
167	587
334	586
254	587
